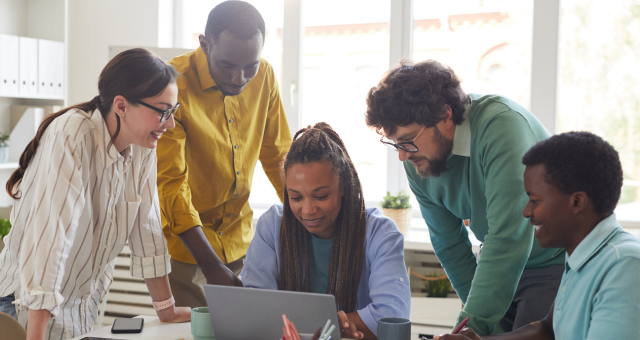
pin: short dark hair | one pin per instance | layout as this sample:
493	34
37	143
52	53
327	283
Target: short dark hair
237	17
580	161
415	94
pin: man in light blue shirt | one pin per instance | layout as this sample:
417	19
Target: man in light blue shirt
574	181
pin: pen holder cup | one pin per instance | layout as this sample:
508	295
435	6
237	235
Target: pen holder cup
201	327
304	336
394	329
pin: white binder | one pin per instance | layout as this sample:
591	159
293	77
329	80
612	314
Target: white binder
43	66
28	46
33	66
9	64
58	69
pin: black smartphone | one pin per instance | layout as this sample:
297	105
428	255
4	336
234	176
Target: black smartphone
133	325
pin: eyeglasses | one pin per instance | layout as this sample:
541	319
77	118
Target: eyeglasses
164	114
404	146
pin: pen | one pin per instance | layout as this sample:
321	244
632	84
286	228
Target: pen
461	326
324	329
328	334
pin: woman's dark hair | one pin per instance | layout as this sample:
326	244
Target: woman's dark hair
240	18
580	161
134	74
321	143
415	94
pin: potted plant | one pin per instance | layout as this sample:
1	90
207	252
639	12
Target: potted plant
399	210
4	147
5	226
440	306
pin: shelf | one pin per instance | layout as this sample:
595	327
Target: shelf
9	166
37	96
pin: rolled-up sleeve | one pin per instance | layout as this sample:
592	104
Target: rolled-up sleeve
52	223
261	267
388	282
177	210
149	253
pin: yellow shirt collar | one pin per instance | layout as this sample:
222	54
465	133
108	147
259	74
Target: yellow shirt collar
206	81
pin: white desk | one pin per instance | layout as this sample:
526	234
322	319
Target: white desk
153	329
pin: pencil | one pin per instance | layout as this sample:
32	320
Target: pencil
461	326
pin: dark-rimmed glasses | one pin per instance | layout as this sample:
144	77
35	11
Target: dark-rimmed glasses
404	146
164	114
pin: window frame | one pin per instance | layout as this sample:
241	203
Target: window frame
544	68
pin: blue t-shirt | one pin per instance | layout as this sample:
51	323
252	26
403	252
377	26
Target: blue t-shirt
384	285
599	296
319	271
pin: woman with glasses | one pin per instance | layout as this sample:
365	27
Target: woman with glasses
323	240
86	186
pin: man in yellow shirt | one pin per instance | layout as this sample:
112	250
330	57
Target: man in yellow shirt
230	117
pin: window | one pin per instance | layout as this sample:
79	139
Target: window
486	43
345	53
600	81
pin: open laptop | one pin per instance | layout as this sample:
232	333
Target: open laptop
242	313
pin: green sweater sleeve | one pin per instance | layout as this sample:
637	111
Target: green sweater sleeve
449	238
509	240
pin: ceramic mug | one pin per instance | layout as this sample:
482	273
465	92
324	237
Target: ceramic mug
394	329
201	327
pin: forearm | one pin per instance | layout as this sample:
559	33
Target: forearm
160	290
37	324
360	326
212	267
197	243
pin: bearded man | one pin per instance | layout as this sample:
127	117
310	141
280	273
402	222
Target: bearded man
462	154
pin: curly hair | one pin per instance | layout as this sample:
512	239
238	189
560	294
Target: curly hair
580	161
416	93
321	143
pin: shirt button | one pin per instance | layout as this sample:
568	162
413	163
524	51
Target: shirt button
228	215
563	289
236	146
236	195
238	172
401	279
230	120
220	233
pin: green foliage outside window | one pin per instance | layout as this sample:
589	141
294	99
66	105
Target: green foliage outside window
396	202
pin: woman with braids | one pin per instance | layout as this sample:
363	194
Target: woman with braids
323	240
86	186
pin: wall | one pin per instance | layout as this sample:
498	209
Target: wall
93	26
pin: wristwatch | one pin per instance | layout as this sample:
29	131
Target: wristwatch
164	304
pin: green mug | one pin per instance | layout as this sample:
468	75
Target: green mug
201	327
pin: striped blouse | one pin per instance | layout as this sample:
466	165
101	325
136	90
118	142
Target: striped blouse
80	202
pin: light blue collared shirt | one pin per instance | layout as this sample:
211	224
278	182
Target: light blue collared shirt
384	285
599	297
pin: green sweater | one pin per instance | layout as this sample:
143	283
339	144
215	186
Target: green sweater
483	183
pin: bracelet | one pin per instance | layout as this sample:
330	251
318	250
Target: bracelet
164	304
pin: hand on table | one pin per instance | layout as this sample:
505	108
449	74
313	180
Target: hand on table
175	314
465	334
348	328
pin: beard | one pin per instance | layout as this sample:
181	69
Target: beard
438	164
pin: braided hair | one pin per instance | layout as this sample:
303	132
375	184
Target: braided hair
321	143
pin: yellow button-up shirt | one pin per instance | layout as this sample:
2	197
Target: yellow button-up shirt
206	163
